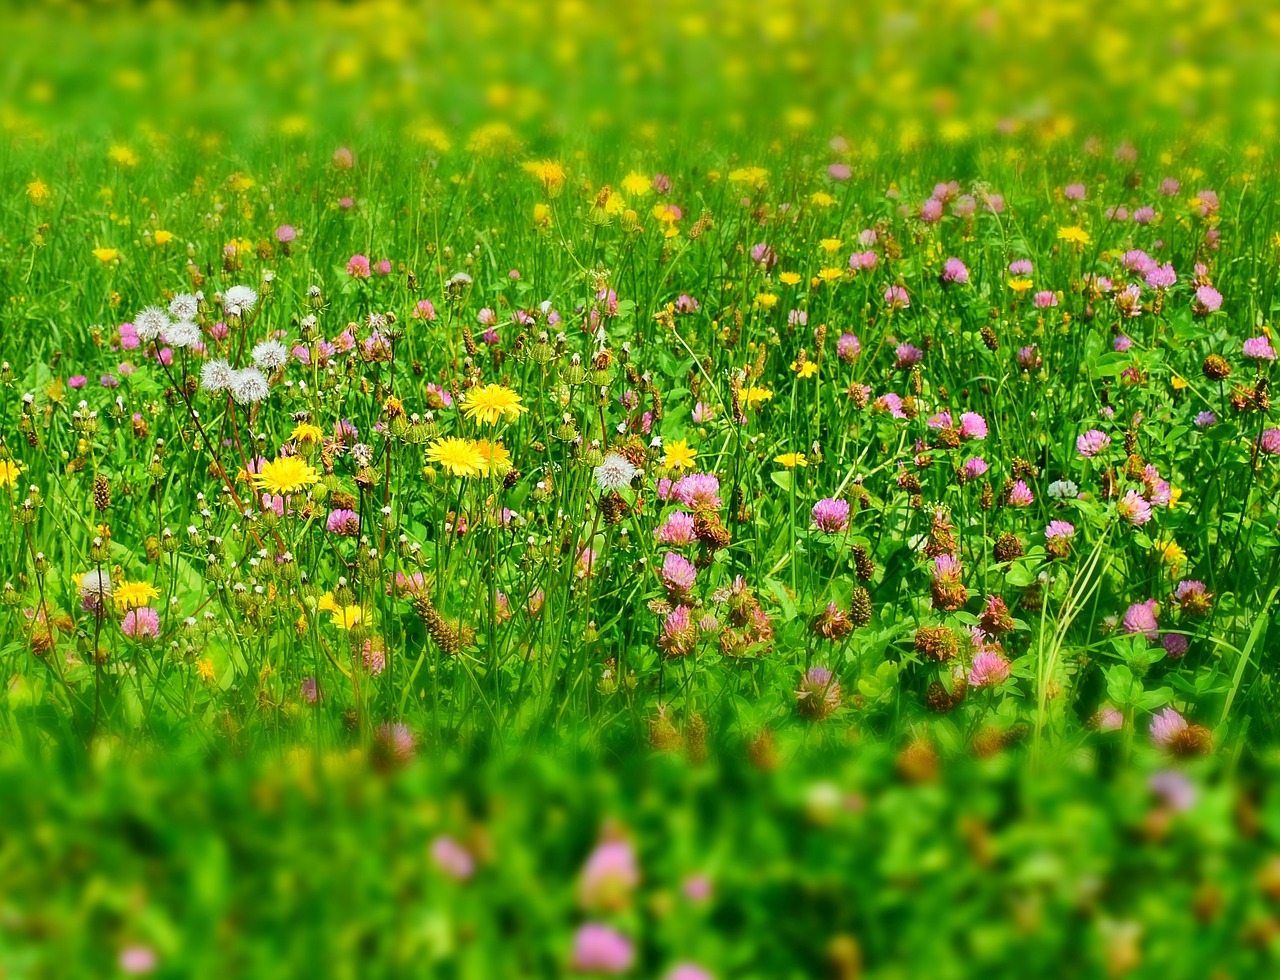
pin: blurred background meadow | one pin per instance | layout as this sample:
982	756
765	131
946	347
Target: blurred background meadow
683	490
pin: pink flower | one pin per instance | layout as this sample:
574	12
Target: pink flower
1259	349
1074	192
1060	529
343	159
344	523
452	859
1141	618
677	529
896	298
989	670
1091	443
1045	299
831	515
974	468
609	876
678	576
972	426
1020	495
1166	726
600	949
1208	300
848	347
358	267
1021	267
953	270
1269	442
141	624
931	211
286	234
1134	508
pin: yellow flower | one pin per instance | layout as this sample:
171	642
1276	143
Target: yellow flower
679	456
830	245
204	670
134	595
806	370
495	456
346	617
822	199
306	432
1171	553
789	278
791	460
106	254
748	175
286	475
491	404
831	274
1178	383
752	397
1074	234
549	173
1174	496
122	155
666	213
38	191
542	215
767	300
10	470
636	184
459	456
1020	284
326	603
162	237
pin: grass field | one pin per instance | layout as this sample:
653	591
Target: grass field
707	490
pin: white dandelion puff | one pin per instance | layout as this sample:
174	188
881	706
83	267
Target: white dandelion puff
270	354
184	306
150	323
249	385
615	473
239	300
184	333
216	376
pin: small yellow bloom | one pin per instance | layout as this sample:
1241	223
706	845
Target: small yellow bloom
1074	234
38	191
830	245
286	475
122	155
10	470
791	460
789	278
134	595
751	397
822	199
748	175
306	432
1174	496
1178	383
106	254
162	237
1020	284
204	670
806	370
542	215
495	456
491	404
636	184
767	300
549	173
831	274
1171	553
679	456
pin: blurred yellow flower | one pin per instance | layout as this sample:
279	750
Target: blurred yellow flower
162	237
822	199
1074	234
123	155
548	173
38	191
679	456
636	184
791	460
830	245
766	300
831	274
789	278
748	175
10	470
542	215
106	254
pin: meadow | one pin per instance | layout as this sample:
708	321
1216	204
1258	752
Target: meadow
702	491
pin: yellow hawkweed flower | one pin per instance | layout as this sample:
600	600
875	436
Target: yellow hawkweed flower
106	254
286	475
122	155
306	432
767	300
162	237
204	670
549	173
1171	553
1074	234
491	404
459	457
38	191
542	215
10	470
1020	284
751	397
822	199
789	278
636	184
679	456
791	460
806	370
134	595
495	456
831	274
830	245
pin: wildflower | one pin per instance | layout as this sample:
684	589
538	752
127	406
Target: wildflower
601	949
679	634
697	491
1091	443
358	267
1141	618
678	455
1045	299
972	426
344	523
285	475
1174	789
10	470
1134	508
615	473
831	515
752	397
182	334
141	624
1259	349
989	670
1161	277
1167	726
105	255
216	376
150	323
819	693
896	298
458	456
496	458
1074	234
1073	192
1269	442
1208	300
975	467
677	529
1063	490
678	576
239	300
907	356
491	404
1175	645
1020	267
848	347
955	271
452	859
688	971
1020	495
132	595
791	460
184	306
248	386
1194	598
609	876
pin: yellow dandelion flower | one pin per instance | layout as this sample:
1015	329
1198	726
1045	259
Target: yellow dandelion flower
162	237
821	199
751	397
830	245
679	456
123	155
789	278
748	175
306	432
1174	496
542	215
547	172
791	460
347	617
1171	553
831	274
666	213
767	300
491	404
1177	382
1074	234
10	470
286	475
495	456
106	254
134	595
636	184
326	603
1020	284
204	670
38	191
459	457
